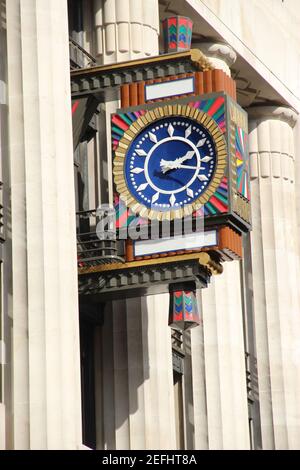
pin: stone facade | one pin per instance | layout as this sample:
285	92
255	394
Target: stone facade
250	326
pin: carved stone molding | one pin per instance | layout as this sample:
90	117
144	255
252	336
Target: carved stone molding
221	55
271	144
282	113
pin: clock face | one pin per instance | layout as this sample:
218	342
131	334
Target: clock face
170	165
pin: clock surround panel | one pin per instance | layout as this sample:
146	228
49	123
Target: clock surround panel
229	202
169	162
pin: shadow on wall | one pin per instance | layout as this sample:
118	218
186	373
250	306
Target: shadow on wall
124	369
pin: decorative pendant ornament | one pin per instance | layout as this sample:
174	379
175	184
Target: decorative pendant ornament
183	311
177	33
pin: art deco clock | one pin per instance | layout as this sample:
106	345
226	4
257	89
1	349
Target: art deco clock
186	157
169	162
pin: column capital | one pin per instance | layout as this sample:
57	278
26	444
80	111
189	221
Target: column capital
281	113
221	55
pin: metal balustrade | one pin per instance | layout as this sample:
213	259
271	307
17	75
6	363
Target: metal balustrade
79	57
94	248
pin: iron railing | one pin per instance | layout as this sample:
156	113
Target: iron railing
79	57
94	248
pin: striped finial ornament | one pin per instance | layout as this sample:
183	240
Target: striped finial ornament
177	32
183	312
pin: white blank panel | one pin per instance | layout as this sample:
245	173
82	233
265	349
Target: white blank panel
181	242
171	88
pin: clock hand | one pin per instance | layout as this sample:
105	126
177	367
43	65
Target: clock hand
167	165
190	167
185	157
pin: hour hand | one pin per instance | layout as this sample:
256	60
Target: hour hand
167	165
185	157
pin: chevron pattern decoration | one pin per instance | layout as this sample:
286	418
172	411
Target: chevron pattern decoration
183	313
177	32
242	162
218	203
125	216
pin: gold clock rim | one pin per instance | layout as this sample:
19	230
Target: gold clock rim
132	132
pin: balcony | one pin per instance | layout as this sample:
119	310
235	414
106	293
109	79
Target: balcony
95	248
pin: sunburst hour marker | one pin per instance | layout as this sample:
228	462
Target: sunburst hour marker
201	142
172	200
189	155
142	187
190	192
155	197
137	170
188	132
152	137
202	178
170	130
141	152
206	159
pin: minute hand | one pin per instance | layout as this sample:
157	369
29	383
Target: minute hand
190	167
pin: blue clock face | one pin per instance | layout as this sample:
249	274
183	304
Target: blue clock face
170	163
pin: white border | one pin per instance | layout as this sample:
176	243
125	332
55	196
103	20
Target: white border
171	88
180	242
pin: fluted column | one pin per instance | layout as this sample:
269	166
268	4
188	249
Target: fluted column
297	173
137	404
225	376
275	268
2	314
136	339
46	368
224	372
125	29
3	319
198	385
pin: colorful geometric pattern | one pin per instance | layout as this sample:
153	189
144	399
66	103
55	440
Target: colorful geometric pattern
218	203
177	33
183	313
193	116
120	124
214	107
242	162
124	215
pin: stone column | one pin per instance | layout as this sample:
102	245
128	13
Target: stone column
225	375
275	269
198	385
125	29
3	118
46	365
297	173
223	340
136	339
138	404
